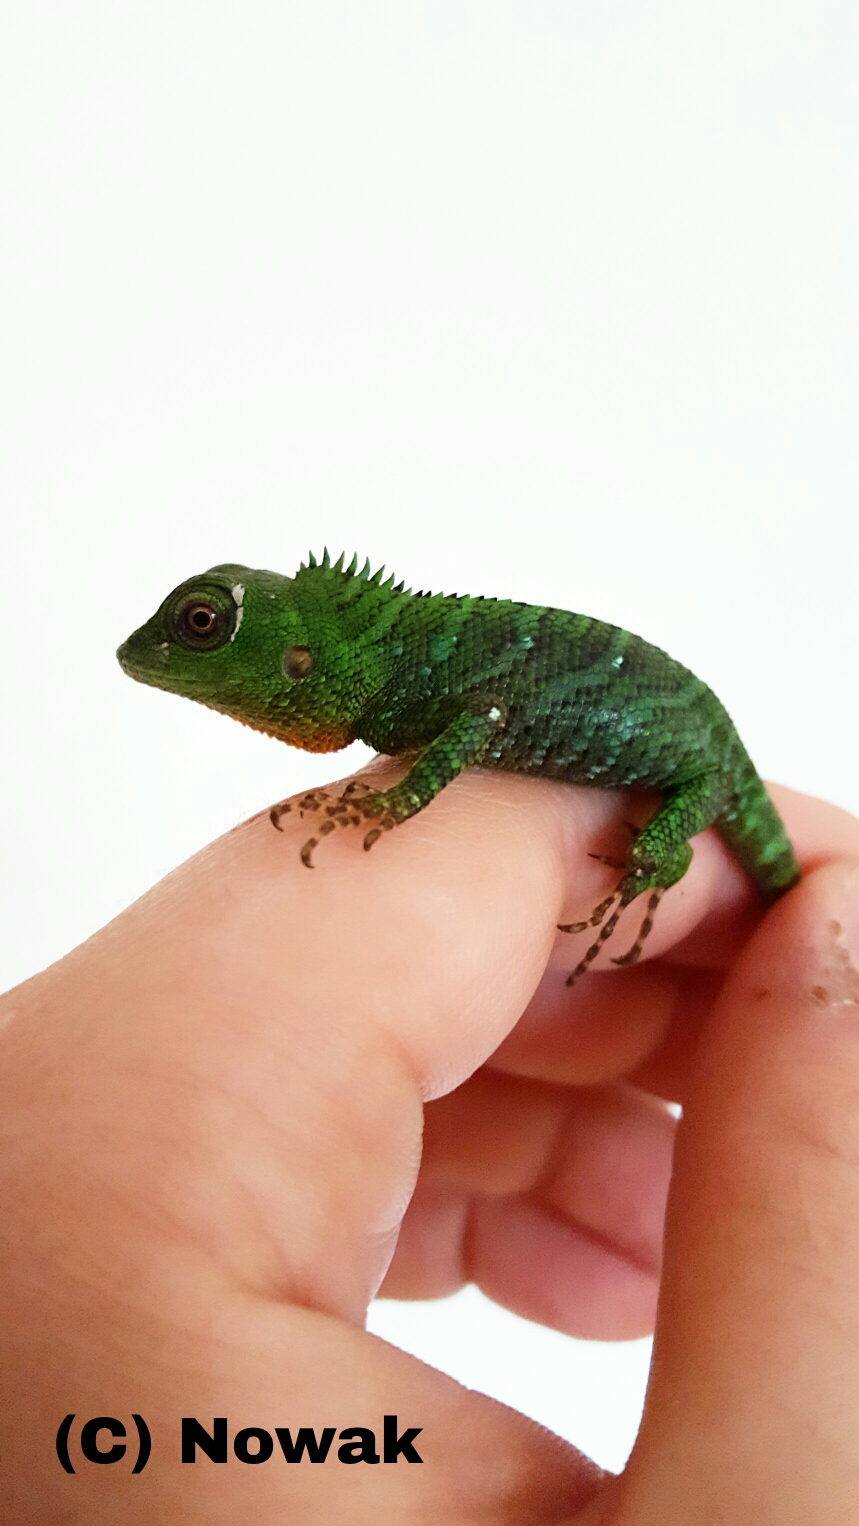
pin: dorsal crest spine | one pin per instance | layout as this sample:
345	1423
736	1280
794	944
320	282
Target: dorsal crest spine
350	580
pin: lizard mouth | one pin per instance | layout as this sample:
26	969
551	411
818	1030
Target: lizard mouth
146	670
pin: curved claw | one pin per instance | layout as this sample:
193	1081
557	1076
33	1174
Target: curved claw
385	825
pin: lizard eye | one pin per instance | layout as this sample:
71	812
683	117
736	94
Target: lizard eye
202	623
297	661
199	620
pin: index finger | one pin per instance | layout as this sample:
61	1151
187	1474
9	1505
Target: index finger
306	1016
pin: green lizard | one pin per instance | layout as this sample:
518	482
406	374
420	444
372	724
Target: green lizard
334	654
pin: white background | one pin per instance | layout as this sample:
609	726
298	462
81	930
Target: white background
552	299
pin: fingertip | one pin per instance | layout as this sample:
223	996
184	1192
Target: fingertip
758	1320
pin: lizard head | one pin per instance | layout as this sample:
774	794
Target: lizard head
237	640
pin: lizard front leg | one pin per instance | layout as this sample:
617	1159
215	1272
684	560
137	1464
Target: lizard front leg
463	742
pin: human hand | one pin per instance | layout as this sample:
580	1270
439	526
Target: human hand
211	1127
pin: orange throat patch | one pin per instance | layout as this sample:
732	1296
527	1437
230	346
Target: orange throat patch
320	736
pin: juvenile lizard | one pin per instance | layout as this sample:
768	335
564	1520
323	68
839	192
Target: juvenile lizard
335	654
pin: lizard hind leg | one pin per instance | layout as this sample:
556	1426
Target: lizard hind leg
659	856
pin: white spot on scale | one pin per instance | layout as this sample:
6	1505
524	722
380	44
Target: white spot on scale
164	647
495	713
616	661
238	595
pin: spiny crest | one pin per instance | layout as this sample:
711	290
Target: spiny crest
352	578
353	582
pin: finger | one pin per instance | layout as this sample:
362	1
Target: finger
248	1015
602	1029
753	1412
639	1025
274	991
820	834
551	1201
643	1023
210	1128
242	1057
221	1092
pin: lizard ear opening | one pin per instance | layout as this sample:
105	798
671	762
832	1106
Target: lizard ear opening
297	661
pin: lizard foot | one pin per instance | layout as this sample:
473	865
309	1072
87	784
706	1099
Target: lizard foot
312	801
373	806
624	895
349	811
658	857
320	800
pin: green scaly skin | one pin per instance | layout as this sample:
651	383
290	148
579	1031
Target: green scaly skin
334	655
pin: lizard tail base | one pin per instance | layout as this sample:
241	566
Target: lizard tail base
753	830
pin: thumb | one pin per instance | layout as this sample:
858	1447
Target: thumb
753	1409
